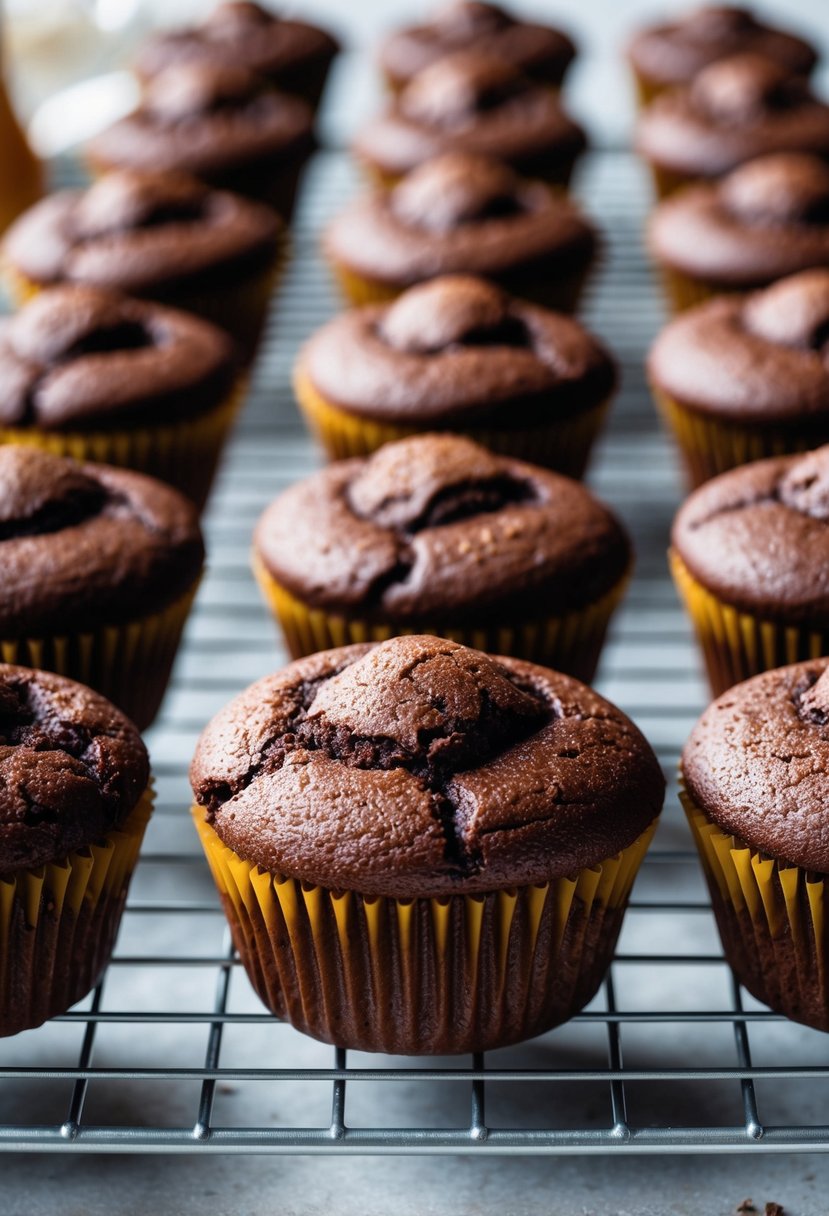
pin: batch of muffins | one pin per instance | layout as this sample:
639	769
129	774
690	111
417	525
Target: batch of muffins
425	829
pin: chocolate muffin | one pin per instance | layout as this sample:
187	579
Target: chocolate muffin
100	566
74	802
402	838
675	52
736	109
293	55
88	373
457	354
755	770
742	377
750	555
463	214
539	51
163	237
224	125
437	535
472	102
766	220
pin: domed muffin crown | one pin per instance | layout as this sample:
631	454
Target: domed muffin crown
463	84
784	188
188	89
456	188
450	310
742	87
793	312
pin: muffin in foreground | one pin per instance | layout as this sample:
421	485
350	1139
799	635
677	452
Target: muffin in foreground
295	56
437	535
735	110
94	375
457	354
539	51
463	214
75	799
100	567
765	221
755	771
750	557
675	52
421	849
159	236
225	126
472	102
739	378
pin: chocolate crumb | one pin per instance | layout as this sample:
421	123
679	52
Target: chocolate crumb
773	1209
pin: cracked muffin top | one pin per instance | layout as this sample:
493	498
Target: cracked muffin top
461	214
423	768
146	234
767	219
72	767
437	526
242	34
735	109
540	51
758	537
472	102
81	358
456	351
677	51
83	545
757	760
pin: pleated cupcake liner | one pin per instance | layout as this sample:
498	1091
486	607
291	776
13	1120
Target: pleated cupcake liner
571	643
645	89
682	292
556	174
183	454
710	447
562	445
423	976
735	644
772	919
59	921
668	181
559	293
130	664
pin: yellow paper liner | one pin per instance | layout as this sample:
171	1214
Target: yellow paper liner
735	644
423	976
645	89
771	916
563	445
668	181
129	664
710	446
681	291
571	643
185	454
557	175
560	294
58	924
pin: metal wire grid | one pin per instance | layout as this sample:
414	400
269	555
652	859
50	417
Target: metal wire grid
172	1053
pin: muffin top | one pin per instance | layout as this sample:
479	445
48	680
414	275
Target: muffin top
539	51
209	120
757	762
454	351
81	358
676	52
83	545
766	219
471	102
761	358
758	537
460	213
142	233
72	767
437	527
736	109
422	768
245	35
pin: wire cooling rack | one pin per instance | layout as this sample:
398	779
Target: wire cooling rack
173	1053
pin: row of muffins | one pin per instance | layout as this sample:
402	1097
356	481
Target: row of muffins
419	721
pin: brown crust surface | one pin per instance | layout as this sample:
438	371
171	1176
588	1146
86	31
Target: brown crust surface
83	545
759	358
438	528
72	767
420	768
757	760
